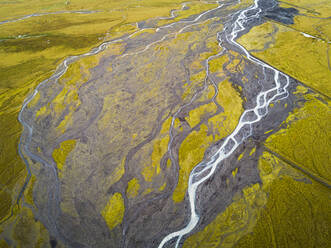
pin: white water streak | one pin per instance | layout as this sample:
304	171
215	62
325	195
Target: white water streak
24	145
230	144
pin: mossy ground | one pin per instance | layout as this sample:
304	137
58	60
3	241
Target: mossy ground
296	213
292	207
305	140
192	149
32	49
114	211
287	209
306	59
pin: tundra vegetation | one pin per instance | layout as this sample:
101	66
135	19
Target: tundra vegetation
116	133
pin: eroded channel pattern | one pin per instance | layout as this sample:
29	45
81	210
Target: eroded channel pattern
114	136
204	170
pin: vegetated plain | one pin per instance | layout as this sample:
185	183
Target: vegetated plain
125	127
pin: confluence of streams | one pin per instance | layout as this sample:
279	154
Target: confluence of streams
28	130
263	100
231	142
